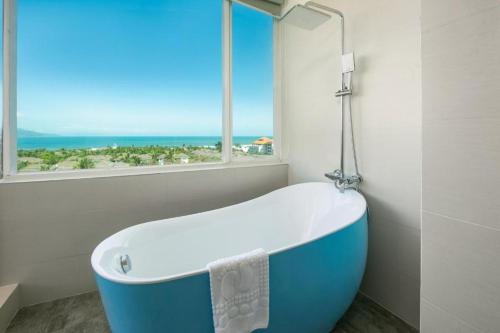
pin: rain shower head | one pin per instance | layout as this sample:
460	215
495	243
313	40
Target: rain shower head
305	17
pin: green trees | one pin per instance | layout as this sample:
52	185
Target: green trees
154	157
21	164
50	158
135	161
111	157
84	163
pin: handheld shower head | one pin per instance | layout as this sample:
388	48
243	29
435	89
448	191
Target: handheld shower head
305	17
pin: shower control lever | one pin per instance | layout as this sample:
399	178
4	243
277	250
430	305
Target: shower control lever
342	182
343	92
335	175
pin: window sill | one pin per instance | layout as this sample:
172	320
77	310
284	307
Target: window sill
135	171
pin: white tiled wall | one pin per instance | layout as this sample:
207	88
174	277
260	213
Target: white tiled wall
385	37
461	163
49	229
439	321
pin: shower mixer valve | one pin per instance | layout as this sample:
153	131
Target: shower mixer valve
342	182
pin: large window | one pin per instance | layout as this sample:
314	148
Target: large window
252	84
104	84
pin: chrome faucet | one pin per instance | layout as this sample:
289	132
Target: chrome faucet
342	182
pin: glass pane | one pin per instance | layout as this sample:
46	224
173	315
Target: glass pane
118	83
252	84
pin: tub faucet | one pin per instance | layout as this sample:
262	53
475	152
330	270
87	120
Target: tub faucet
342	182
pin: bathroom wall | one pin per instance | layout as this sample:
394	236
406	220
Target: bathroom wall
385	36
461	164
49	229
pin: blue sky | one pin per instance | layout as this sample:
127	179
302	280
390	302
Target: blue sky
132	67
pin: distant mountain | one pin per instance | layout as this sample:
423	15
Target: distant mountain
22	133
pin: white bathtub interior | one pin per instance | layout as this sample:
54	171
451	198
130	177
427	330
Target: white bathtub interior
182	246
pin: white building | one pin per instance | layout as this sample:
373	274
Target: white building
263	146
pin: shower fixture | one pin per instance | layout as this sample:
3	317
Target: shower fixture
305	17
309	16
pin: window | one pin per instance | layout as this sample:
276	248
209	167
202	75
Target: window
109	84
253	98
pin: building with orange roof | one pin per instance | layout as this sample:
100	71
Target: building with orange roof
263	145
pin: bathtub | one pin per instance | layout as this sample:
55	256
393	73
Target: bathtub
316	238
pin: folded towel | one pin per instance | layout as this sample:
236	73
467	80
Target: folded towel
240	292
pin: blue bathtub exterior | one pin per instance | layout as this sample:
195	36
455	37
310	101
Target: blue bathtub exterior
311	286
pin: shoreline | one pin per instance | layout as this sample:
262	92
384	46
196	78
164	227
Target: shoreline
114	156
103	142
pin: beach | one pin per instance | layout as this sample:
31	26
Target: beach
37	154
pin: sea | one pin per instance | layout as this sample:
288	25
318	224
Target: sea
78	142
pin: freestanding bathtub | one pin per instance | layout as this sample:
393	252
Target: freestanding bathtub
316	238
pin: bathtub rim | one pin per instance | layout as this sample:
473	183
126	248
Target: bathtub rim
97	268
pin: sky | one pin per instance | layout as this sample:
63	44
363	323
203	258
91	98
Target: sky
140	67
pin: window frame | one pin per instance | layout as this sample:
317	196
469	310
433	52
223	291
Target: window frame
8	158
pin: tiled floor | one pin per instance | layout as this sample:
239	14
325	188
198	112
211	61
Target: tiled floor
84	314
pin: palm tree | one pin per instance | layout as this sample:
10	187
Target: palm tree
85	163
135	161
21	164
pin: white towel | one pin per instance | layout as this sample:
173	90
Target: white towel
240	292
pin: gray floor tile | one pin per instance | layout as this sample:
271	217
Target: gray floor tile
77	314
84	314
365	316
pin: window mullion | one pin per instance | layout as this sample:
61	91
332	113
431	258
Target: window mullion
9	144
227	121
277	89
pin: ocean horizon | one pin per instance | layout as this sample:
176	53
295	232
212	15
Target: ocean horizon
81	142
